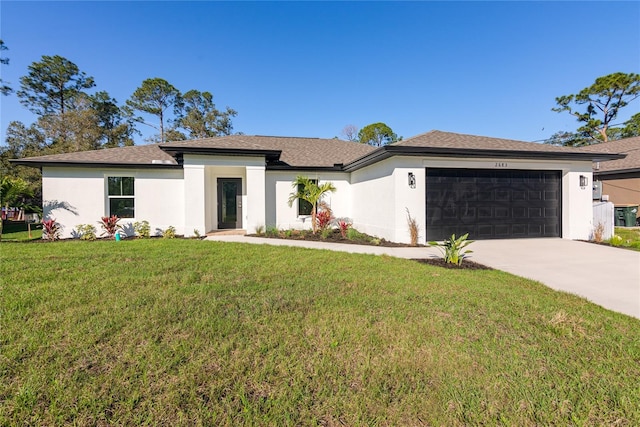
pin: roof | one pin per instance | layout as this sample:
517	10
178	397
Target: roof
628	146
449	144
294	152
282	152
314	153
138	156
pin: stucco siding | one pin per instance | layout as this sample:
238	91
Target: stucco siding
622	191
279	187
76	196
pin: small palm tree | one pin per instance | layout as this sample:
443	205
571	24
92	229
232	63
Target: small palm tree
306	189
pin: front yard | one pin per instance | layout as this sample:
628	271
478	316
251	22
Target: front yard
185	332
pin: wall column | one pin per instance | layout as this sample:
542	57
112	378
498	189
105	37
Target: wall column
194	199
254	211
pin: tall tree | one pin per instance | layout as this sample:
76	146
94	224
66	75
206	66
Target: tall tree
51	85
116	125
153	97
350	132
597	106
5	89
199	116
377	135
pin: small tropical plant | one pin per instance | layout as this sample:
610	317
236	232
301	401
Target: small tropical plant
142	229
86	231
306	189
196	233
452	248
615	240
169	232
259	230
326	233
110	226
414	228
353	234
324	219
51	230
343	226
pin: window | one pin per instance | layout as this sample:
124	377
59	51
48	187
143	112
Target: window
304	207
121	196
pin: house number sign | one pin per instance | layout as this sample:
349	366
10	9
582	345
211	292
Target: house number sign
501	165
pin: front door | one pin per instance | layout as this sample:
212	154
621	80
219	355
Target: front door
229	203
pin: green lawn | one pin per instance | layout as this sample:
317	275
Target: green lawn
630	237
12	232
185	332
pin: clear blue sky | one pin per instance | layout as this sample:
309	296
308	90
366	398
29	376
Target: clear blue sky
309	69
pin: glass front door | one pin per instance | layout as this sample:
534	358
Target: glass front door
229	203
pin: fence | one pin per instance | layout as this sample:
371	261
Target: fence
603	220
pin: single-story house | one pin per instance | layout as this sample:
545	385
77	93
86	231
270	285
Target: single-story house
620	178
451	183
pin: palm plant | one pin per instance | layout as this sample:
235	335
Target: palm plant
309	190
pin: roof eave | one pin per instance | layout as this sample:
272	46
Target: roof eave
242	152
388	151
39	164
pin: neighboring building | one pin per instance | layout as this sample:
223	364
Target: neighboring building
620	177
452	183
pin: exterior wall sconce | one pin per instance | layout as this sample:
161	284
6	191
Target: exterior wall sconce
583	181
412	180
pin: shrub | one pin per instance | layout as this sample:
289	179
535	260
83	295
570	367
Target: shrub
110	225
613	241
196	233
343	225
324	217
169	233
260	230
142	229
51	230
272	232
86	231
375	241
414	228
353	234
452	248
325	233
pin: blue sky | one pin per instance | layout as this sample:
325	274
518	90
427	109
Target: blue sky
309	69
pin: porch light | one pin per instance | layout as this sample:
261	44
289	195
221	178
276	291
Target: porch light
583	181
412	180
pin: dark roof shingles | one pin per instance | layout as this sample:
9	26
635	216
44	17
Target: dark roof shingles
628	146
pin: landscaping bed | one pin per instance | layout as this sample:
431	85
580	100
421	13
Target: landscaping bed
352	237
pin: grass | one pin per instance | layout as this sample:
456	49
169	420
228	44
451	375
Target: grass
184	332
20	234
630	238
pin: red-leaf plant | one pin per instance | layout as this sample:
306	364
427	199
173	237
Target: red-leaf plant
110	225
51	229
343	225
324	219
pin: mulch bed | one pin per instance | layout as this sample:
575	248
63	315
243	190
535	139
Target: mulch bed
466	265
334	237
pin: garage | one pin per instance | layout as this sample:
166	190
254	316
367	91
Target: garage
493	203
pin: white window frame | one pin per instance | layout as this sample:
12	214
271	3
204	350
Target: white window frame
109	197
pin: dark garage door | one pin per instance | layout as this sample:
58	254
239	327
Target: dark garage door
493	204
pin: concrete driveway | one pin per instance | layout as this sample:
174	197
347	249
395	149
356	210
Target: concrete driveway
606	276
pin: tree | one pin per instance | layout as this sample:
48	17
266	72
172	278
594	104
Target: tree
306	189
13	192
631	128
199	116
567	139
603	101
350	132
117	125
153	97
5	89
52	85
377	135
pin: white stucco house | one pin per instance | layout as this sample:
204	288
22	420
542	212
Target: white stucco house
452	183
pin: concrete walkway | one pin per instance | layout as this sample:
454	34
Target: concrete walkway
607	276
